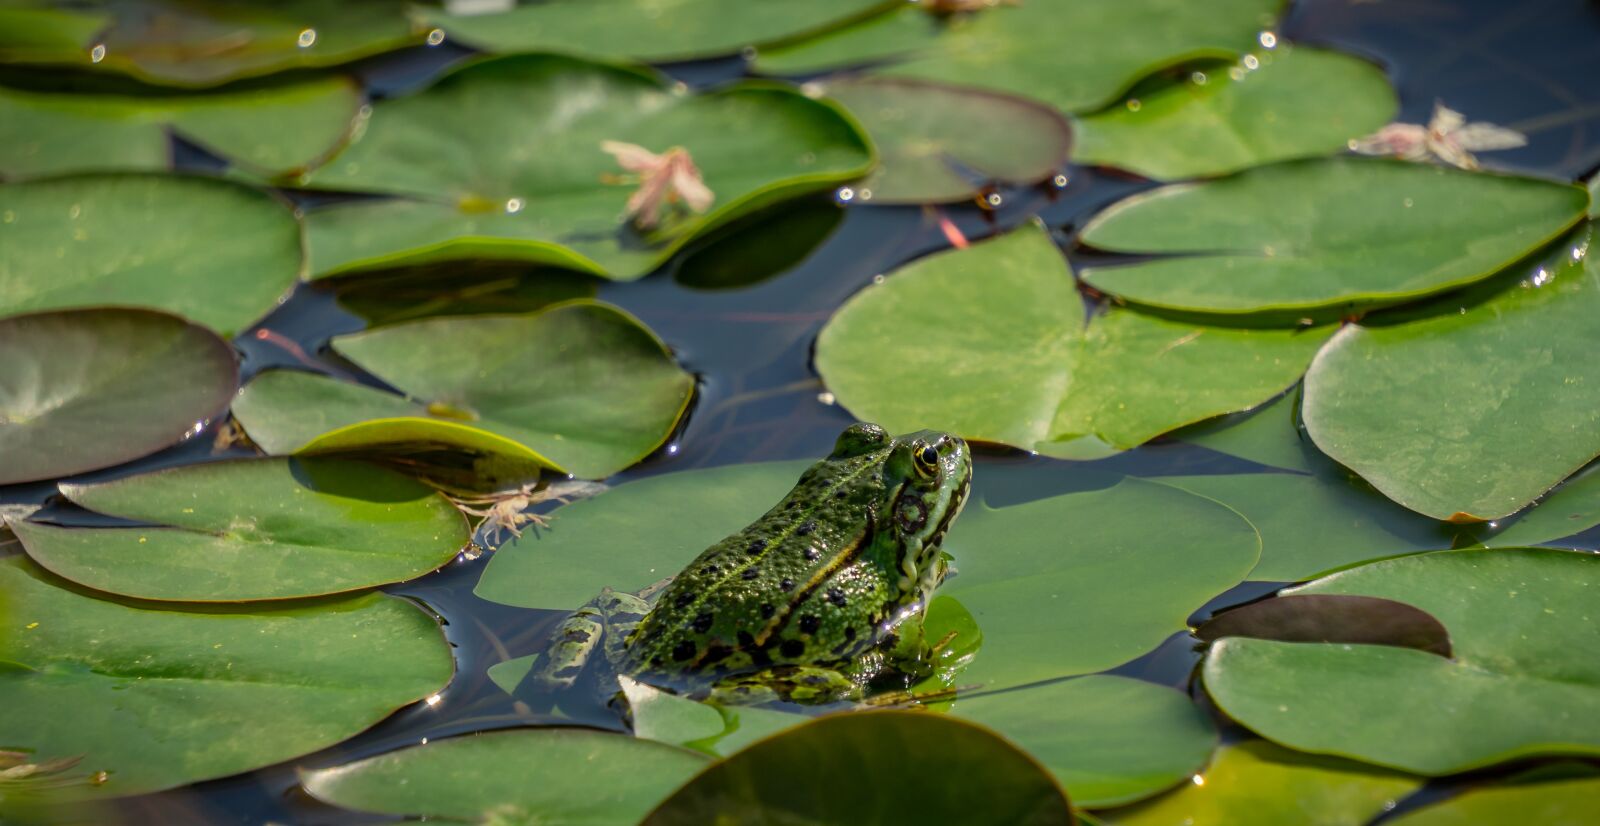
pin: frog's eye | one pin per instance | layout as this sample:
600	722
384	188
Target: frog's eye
927	460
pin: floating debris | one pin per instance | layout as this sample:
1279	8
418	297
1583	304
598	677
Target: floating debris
506	512
1447	137
665	179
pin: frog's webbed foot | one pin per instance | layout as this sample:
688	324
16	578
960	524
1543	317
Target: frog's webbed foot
605	620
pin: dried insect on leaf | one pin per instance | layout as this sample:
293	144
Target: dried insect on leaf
664	180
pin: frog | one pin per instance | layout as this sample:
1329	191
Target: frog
810	604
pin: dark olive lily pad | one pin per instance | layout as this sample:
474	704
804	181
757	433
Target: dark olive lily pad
1048	603
1358	232
866	761
1558	803
1501	400
552	775
1016	365
948	143
157	697
502	159
646	31
1331	618
468	288
580	387
272	130
203	42
1525	678
1221	117
86	389
1075	56
253	529
215	252
1256	783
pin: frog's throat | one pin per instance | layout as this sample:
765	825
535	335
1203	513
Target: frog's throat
919	557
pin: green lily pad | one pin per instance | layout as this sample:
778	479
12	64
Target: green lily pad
646	31
502	159
1267	435
252	529
1016	365
938	142
1501	399
87	389
1524	680
1048	603
1331	618
1294	102
1594	196
1095	50
1107	740
1561	803
1311	524
580	387
218	253
866	761
469	288
1360	232
1258	784
157	697
272	130
759	246
551	775
204	42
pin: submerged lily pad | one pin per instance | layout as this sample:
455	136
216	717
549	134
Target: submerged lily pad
204	42
502	159
1525	678
157	697
1016	365
1049	604
946	143
1107	740
1359	232
215	252
87	389
580	387
1331	618
1256	783
273	130
647	31
253	529
1559	803
1501	400
551	775
469	288
1075	56
866	761
1293	102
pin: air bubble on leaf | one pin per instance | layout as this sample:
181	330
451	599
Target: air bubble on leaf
306	39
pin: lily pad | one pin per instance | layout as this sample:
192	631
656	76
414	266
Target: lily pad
1048	603
216	252
87	389
1256	783
1293	102
1594	196
204	42
501	159
1016	365
1524	680
157	697
1331	618
271	130
948	143
580	387
1561	803
646	31
252	529
866	761
1096	50
1480	443
1360	232
1107	740
1267	435
552	775
469	288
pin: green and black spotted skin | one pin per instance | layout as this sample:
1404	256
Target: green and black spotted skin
848	556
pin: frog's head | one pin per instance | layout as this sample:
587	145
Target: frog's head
926	477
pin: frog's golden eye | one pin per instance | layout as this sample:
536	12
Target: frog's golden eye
927	460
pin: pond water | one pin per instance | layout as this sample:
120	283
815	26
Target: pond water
744	317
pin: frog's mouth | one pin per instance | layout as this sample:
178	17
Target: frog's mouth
957	502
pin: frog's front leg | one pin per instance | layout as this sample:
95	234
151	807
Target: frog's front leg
802	684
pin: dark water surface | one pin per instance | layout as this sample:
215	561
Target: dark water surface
1532	66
